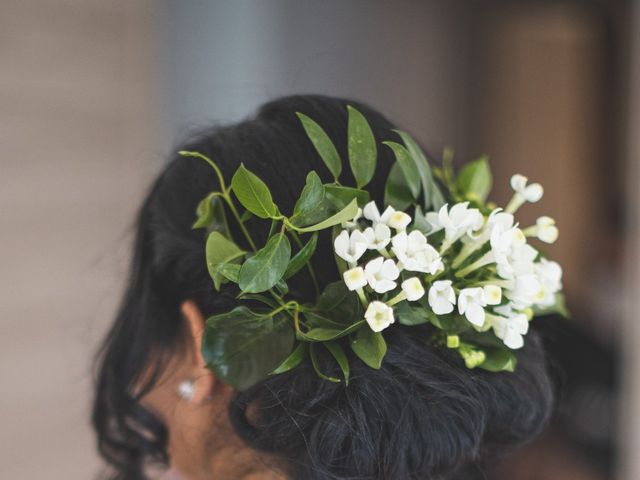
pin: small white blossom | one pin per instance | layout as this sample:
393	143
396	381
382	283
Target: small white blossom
415	254
379	316
471	303
492	294
355	278
549	275
372	213
518	261
456	222
545	230
381	274
531	193
353	223
399	220
442	297
413	289
350	247
523	192
525	291
511	329
378	236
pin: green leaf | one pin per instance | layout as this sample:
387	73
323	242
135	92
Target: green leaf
253	193
346	214
301	258
362	147
499	360
293	360
262	271
316	365
204	212
396	191
369	346
408	166
323	144
433	198
338	353
242	347
408	315
220	250
474	180
311	196
341	196
326	334
451	322
230	271
339	304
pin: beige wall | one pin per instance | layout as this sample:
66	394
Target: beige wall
75	129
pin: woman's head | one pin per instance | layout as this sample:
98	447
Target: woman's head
423	415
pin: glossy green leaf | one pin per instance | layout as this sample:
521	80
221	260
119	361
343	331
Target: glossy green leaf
339	304
346	214
204	213
311	196
220	250
230	271
253	193
262	271
301	258
396	191
338	353
323	144
325	334
408	315
499	360
408	167
293	360
363	152
242	347
316	365
433	198
369	346
341	196
475	180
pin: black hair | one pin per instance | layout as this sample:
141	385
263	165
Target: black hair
423	415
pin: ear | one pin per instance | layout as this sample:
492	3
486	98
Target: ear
205	380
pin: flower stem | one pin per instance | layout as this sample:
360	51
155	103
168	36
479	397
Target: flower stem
397	299
486	259
235	213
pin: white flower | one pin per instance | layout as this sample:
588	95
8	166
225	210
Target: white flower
355	278
517	261
504	240
378	236
545	230
381	274
549	275
353	223
413	289
379	316
350	247
531	193
399	220
372	213
471	303
456	222
492	294
391	217
523	192
442	297
415	254
511	329
526	289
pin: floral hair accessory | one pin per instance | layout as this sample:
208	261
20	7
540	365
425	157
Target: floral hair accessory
449	260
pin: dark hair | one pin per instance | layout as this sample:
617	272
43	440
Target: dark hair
423	415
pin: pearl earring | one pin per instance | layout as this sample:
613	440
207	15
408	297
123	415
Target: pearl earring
187	389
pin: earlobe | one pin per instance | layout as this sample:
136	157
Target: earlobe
205	380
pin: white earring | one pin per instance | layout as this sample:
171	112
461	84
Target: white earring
187	389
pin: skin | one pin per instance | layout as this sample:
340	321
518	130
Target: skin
202	443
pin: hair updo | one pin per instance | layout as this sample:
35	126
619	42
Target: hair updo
423	415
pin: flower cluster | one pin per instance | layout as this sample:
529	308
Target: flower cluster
464	263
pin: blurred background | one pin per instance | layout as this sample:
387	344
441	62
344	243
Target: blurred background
94	95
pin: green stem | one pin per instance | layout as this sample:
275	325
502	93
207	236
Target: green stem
210	162
235	213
